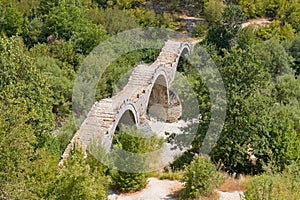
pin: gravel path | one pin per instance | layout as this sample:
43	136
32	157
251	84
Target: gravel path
236	195
164	190
155	190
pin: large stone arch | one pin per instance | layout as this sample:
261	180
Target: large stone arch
158	97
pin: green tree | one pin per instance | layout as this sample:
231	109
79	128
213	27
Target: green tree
76	180
287	90
113	19
295	53
224	33
274	58
254	126
287	94
70	22
252	8
243	77
213	10
11	20
23	84
63	20
61	84
276	30
45	7
289	12
33	32
88	38
17	146
25	172
247	38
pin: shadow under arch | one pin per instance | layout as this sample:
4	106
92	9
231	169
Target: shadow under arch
127	115
127	119
184	52
158	100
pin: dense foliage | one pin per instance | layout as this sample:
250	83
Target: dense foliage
43	44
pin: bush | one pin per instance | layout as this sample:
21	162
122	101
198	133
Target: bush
281	186
201	178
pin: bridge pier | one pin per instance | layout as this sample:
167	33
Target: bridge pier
174	108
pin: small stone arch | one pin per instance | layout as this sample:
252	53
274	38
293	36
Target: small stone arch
185	49
127	115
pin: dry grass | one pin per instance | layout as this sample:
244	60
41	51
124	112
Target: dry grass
212	196
235	184
176	192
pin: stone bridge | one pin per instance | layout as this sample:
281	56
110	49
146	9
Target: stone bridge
146	93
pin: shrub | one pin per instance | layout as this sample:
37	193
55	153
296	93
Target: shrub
201	178
281	186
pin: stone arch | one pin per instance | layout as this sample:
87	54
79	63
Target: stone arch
127	119
185	49
158	97
127	115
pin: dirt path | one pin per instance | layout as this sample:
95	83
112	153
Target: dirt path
257	22
155	190
236	195
165	190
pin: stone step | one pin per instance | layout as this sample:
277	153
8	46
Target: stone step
142	73
141	76
104	115
142	83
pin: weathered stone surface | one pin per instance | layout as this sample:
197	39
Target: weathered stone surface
174	107
147	91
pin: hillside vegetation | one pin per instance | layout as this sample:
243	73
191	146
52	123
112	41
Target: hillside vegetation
43	44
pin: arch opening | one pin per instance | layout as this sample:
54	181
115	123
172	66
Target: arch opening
181	66
159	99
127	119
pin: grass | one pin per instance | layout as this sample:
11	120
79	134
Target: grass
178	175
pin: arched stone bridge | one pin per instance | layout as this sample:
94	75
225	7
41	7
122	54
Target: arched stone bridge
147	92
